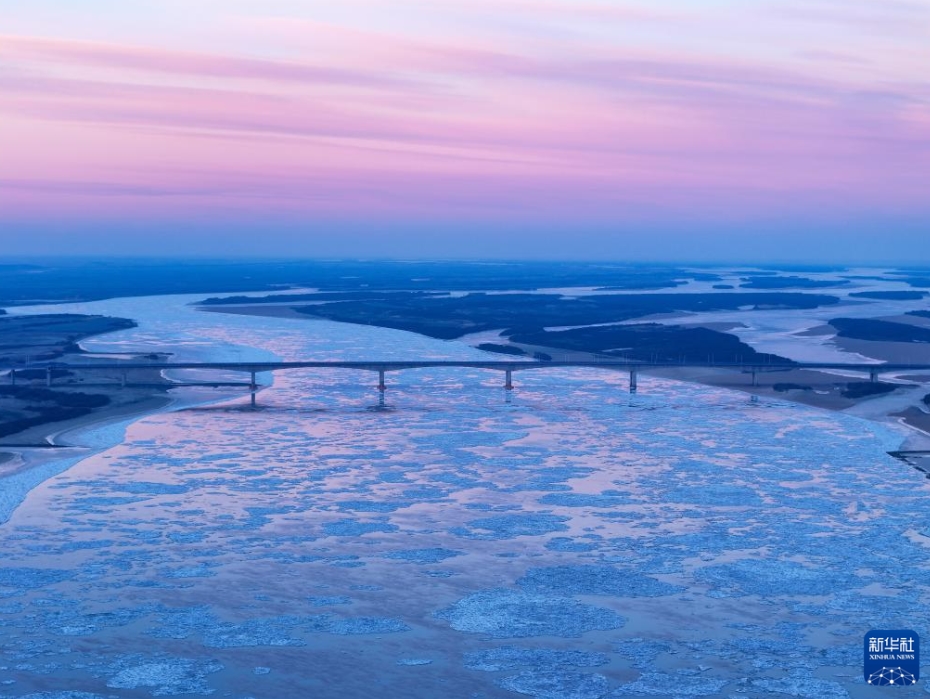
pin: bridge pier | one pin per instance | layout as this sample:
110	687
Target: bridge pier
508	382
633	381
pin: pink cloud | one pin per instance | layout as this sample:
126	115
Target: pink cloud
381	122
136	58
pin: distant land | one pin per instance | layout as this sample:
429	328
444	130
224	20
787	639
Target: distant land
449	317
879	330
82	280
890	295
651	342
78	279
49	336
790	282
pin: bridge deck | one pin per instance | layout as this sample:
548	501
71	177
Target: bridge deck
507	365
383	366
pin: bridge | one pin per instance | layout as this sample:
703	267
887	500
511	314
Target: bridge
506	366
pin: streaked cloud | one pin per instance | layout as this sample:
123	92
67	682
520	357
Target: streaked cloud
186	63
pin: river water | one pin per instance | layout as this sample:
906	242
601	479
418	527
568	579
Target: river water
574	542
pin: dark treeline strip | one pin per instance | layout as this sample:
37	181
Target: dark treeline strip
862	389
879	330
452	317
315	297
501	349
916	282
790	283
890	295
650	342
44	337
45	406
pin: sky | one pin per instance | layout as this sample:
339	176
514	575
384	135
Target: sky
794	130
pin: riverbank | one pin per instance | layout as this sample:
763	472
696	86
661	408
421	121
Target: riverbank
50	441
103	399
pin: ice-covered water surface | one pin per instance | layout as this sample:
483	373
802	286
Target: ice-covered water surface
576	542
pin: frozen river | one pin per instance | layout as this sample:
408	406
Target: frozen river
576	543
